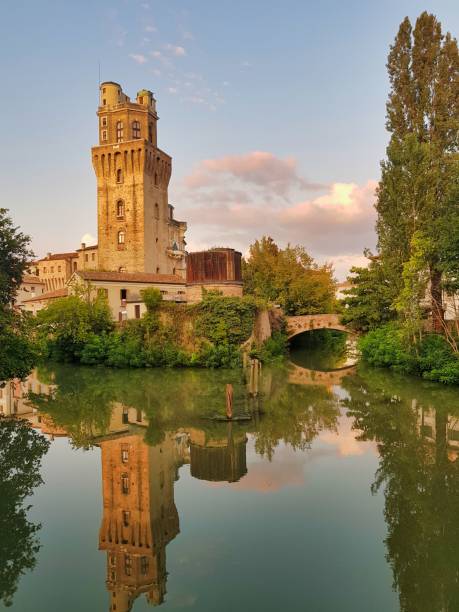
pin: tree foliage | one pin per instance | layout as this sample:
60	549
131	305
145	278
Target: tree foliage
66	324
421	168
17	354
368	303
289	277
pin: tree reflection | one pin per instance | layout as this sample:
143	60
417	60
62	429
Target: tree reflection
420	476
84	400
21	452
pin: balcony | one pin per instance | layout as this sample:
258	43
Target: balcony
175	252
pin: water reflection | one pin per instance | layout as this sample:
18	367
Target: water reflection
21	453
416	427
149	424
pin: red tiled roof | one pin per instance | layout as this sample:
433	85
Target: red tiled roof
59	256
57	293
131	277
29	278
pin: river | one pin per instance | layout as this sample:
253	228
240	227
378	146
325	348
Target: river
341	491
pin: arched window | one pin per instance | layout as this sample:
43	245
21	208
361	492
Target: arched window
156	211
119	176
120	209
121	237
135	129
156	178
119	131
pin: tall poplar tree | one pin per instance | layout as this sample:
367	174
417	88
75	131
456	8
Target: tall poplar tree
422	155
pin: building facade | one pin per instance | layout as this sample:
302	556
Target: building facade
30	287
123	290
137	231
55	269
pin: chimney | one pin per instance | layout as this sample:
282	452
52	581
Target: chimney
83	246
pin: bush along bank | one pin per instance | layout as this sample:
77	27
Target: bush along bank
431	357
208	334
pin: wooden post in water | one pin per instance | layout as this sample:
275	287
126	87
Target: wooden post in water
229	401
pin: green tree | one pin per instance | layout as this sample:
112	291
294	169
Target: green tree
421	165
17	355
21	452
66	324
289	277
368	303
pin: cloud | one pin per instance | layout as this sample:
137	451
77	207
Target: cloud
237	198
151	28
258	167
138	58
172	90
156	54
176	50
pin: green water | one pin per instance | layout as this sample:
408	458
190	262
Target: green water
342	496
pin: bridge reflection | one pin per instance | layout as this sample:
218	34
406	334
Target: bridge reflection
303	376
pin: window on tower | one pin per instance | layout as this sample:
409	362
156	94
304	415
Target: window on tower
150	132
144	565
135	129
121	237
120	209
119	176
156	211
119	131
104	134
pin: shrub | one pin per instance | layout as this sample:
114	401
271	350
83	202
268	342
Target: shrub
384	347
272	349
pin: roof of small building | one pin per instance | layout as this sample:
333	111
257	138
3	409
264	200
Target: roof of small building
57	293
59	256
29	278
89	247
130	277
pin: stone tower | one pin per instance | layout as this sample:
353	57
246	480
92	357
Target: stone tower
137	231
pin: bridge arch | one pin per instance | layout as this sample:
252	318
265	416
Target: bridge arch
303	323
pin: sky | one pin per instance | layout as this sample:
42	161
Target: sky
273	113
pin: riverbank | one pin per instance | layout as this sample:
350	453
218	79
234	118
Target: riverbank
209	334
431	358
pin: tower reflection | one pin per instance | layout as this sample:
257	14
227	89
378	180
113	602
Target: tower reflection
139	513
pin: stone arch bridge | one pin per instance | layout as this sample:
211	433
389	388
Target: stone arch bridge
304	323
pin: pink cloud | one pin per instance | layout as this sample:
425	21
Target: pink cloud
235	199
258	167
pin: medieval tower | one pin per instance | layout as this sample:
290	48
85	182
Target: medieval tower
137	231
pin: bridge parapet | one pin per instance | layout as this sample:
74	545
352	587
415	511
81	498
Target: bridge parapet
303	323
